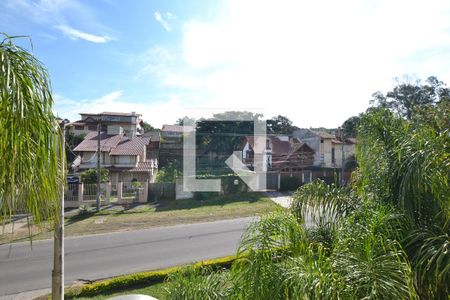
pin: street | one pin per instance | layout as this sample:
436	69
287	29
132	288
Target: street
101	256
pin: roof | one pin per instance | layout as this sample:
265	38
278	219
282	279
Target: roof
107	142
324	135
127	146
110	113
115	144
350	141
154	135
176	128
145	166
280	147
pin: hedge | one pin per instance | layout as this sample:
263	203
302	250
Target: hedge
138	279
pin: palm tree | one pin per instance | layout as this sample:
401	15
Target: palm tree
386	236
32	157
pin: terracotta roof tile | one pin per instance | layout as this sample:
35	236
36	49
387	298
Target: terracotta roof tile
107	142
145	166
127	146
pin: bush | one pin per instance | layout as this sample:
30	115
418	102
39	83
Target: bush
90	176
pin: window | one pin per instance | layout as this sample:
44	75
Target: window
307	176
333	158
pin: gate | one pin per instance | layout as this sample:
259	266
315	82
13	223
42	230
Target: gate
272	181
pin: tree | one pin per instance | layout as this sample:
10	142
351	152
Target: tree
189	120
350	126
280	125
32	172
90	176
384	236
147	127
223	133
170	172
409	94
72	141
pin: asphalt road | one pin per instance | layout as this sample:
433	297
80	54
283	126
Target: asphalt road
100	256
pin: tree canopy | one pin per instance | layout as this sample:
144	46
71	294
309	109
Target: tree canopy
410	93
30	137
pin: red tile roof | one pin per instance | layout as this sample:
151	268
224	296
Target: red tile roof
145	166
134	146
115	144
107	142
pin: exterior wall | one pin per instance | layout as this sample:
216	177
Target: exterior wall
124	160
75	131
349	150
114	129
327	146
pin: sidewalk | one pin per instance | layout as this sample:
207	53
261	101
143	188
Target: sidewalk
283	199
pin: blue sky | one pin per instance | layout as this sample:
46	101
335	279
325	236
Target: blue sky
317	62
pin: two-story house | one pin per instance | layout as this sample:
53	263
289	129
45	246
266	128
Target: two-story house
282	153
126	153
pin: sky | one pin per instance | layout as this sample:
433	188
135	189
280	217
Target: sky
316	62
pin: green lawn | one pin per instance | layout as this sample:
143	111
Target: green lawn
164	213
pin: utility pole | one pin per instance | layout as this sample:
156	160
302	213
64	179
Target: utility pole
98	163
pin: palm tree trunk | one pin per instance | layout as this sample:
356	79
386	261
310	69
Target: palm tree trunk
58	238
58	261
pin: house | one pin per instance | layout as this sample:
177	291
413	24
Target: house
171	143
327	148
282	153
124	151
331	153
129	124
125	157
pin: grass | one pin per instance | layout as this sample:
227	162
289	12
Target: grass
147	282
164	213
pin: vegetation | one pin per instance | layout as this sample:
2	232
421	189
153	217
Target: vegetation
385	236
169	172
163	213
280	125
90	176
72	141
350	126
148	128
121	283
31	149
411	94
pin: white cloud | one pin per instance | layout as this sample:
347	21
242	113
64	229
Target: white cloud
156	113
75	34
162	19
316	62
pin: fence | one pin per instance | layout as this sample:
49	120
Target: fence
161	190
80	194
